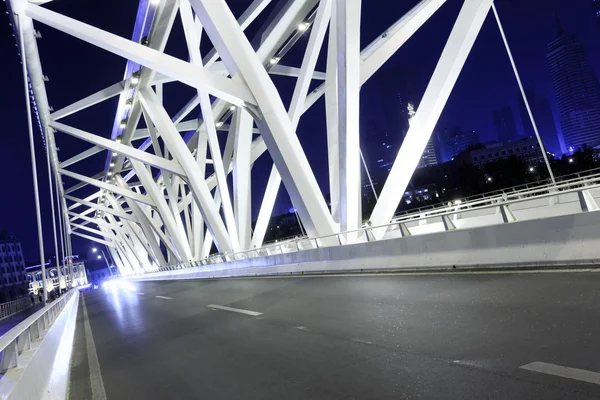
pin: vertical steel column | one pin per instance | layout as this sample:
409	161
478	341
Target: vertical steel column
60	222
36	193
348	93
52	206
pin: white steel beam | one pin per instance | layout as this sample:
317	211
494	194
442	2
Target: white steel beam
274	124
167	217
81	156
174	142
386	45
208	117
128	151
284	70
455	53
311	55
189	74
242	128
98	97
107	186
348	94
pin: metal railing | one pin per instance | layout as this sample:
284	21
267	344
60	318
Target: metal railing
593	174
501	201
19	338
13	307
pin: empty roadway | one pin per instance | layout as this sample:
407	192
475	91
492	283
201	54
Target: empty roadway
441	336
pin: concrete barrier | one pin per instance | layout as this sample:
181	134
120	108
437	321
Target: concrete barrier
564	240
41	369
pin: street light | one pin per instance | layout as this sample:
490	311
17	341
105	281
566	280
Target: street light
95	250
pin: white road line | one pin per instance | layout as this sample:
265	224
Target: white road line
237	310
140	293
96	382
565	372
361	341
164	297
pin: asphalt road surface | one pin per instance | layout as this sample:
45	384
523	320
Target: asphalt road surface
441	336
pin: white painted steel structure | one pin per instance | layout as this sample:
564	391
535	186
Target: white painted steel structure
151	220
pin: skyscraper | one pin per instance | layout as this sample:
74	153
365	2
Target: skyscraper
577	91
544	120
453	142
429	157
504	122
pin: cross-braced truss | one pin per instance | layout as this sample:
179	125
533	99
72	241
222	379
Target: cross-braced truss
164	195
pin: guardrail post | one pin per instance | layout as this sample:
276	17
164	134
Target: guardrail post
10	356
34	330
404	232
24	341
507	214
587	201
448	224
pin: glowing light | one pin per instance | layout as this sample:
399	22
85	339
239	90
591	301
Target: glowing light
118	140
303	26
232	108
114	153
135	80
123	124
489	179
99	257
274	60
119	283
458	202
570	160
109	173
219	124
94	250
128	105
531	169
112	164
155	2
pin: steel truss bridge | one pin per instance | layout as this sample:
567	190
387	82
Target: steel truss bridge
150	221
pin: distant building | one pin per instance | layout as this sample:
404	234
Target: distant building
429	157
13	281
421	194
452	143
577	91
544	120
527	150
505	125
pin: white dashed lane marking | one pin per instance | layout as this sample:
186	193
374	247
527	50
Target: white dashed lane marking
164	297
237	310
564	372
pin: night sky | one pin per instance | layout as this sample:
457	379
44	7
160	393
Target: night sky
77	69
